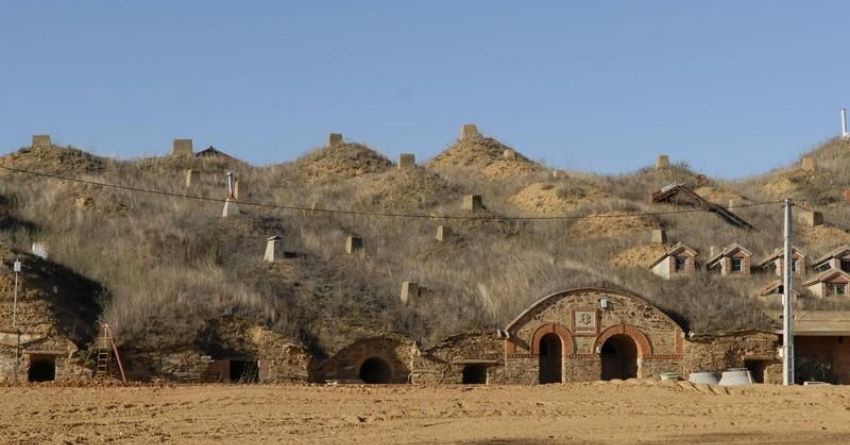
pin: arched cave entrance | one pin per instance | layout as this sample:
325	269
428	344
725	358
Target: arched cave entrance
375	370
42	368
549	359
619	358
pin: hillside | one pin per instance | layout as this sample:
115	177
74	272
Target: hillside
171	268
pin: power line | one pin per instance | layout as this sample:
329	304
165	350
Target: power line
368	213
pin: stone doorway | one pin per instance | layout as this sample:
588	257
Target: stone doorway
549	359
474	375
42	368
244	371
618	357
375	370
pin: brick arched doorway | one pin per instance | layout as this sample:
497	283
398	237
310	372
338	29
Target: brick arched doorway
618	357
550	359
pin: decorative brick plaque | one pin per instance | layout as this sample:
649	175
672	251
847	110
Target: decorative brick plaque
584	322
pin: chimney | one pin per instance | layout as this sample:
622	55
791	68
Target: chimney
353	244
659	236
406	161
334	139
41	141
273	249
472	203
662	162
182	148
469	131
409	292
443	233
191	176
844	133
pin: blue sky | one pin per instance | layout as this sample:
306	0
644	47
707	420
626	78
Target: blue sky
731	87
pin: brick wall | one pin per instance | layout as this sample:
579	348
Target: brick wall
583	326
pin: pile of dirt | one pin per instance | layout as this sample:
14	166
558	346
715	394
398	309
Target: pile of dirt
639	256
612	225
54	160
397	190
345	161
484	156
556	199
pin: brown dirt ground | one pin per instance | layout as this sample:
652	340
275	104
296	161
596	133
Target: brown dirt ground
614	412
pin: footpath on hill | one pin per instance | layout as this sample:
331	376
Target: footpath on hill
600	412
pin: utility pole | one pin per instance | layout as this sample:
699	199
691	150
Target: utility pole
17	268
787	304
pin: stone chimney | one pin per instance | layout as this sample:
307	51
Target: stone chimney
41	141
472	203
353	244
469	131
659	236
509	154
273	249
409	292
406	161
334	139
443	233
662	162
191	177
808	164
182	148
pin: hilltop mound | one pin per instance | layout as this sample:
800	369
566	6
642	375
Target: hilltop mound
484	156
556	199
54	160
340	162
819	177
396	190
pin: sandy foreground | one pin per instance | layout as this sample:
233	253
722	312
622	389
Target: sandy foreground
618	412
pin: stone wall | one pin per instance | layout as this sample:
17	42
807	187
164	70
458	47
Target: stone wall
445	362
716	353
396	352
180	366
280	360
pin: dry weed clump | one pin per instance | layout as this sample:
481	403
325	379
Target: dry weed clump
403	190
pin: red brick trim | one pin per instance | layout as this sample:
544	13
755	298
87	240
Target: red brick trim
643	346
663	357
680	341
568	345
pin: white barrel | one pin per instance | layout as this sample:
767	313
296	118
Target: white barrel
704	377
736	377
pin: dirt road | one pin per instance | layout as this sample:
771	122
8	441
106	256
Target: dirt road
623	412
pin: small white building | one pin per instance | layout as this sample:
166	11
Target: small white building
679	260
734	260
832	283
837	259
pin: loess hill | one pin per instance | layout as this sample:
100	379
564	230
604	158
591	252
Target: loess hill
165	270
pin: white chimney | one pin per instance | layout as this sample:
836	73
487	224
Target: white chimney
844	134
273	247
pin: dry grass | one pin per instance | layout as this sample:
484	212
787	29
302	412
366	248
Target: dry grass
171	267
